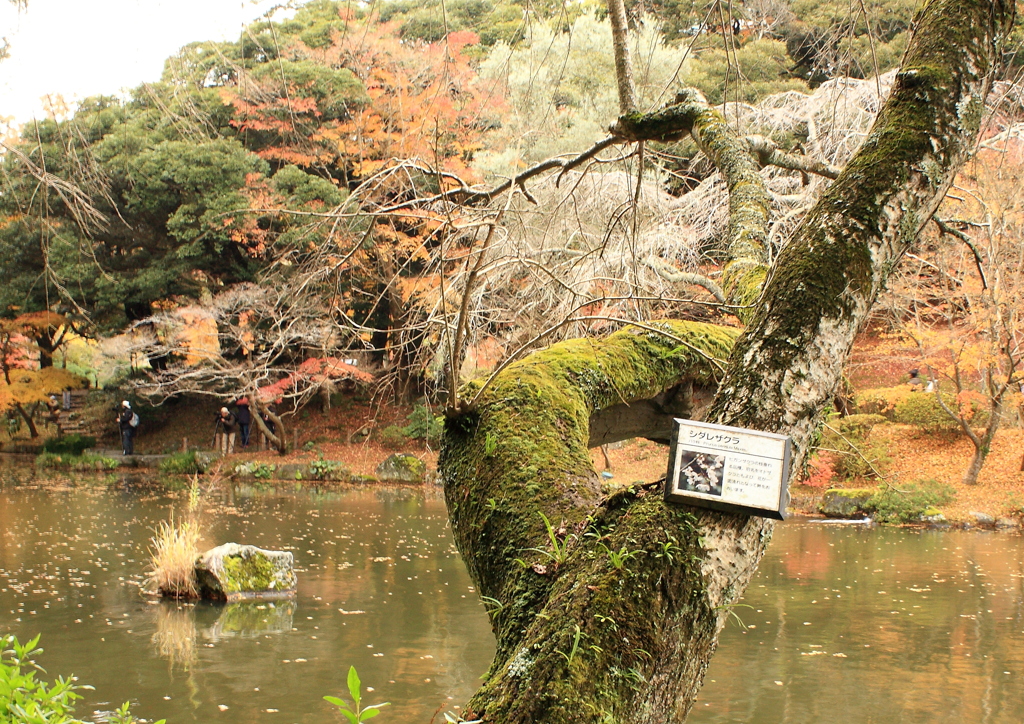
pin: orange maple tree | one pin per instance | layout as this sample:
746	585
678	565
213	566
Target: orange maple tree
25	383
366	101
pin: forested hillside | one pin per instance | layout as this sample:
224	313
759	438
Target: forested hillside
331	186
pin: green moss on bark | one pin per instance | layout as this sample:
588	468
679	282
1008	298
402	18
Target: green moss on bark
591	641
523	450
828	276
749	202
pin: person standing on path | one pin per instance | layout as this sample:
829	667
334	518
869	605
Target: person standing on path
124	421
244	417
53	415
229	424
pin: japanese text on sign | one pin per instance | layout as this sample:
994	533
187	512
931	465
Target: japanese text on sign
729	468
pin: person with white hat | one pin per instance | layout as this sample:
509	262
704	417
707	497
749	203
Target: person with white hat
128	421
227	424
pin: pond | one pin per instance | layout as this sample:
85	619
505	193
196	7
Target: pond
841	624
381	587
848	624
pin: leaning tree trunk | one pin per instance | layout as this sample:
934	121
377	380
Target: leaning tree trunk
33	432
609	609
983	443
278	440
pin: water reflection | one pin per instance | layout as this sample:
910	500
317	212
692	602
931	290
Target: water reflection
175	636
251	619
178	625
882	625
380	587
845	625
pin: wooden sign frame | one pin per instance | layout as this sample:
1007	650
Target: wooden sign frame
729	468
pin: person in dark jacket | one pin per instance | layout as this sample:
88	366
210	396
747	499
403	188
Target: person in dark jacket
124	421
228	425
244	417
53	414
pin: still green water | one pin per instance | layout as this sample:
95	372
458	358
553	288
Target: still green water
381	587
846	624
841	624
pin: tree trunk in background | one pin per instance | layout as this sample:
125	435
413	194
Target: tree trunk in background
623	63
983	444
278	438
608	609
33	432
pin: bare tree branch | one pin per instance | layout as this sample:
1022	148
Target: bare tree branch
668	273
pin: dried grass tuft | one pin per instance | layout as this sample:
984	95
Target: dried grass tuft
172	558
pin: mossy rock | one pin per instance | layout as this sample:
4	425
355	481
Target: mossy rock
844	503
402	468
292	471
233	572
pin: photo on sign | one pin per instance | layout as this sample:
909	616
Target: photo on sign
701	472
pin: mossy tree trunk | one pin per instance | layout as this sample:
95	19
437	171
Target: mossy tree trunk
608	609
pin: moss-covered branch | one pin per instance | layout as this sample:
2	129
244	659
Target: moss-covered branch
749	202
826	279
524	448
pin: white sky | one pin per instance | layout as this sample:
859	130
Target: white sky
81	48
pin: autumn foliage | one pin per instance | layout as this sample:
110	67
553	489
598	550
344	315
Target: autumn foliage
365	101
315	372
25	382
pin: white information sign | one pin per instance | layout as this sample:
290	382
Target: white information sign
729	468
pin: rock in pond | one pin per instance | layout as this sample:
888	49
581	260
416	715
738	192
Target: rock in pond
402	468
983	518
840	503
233	572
